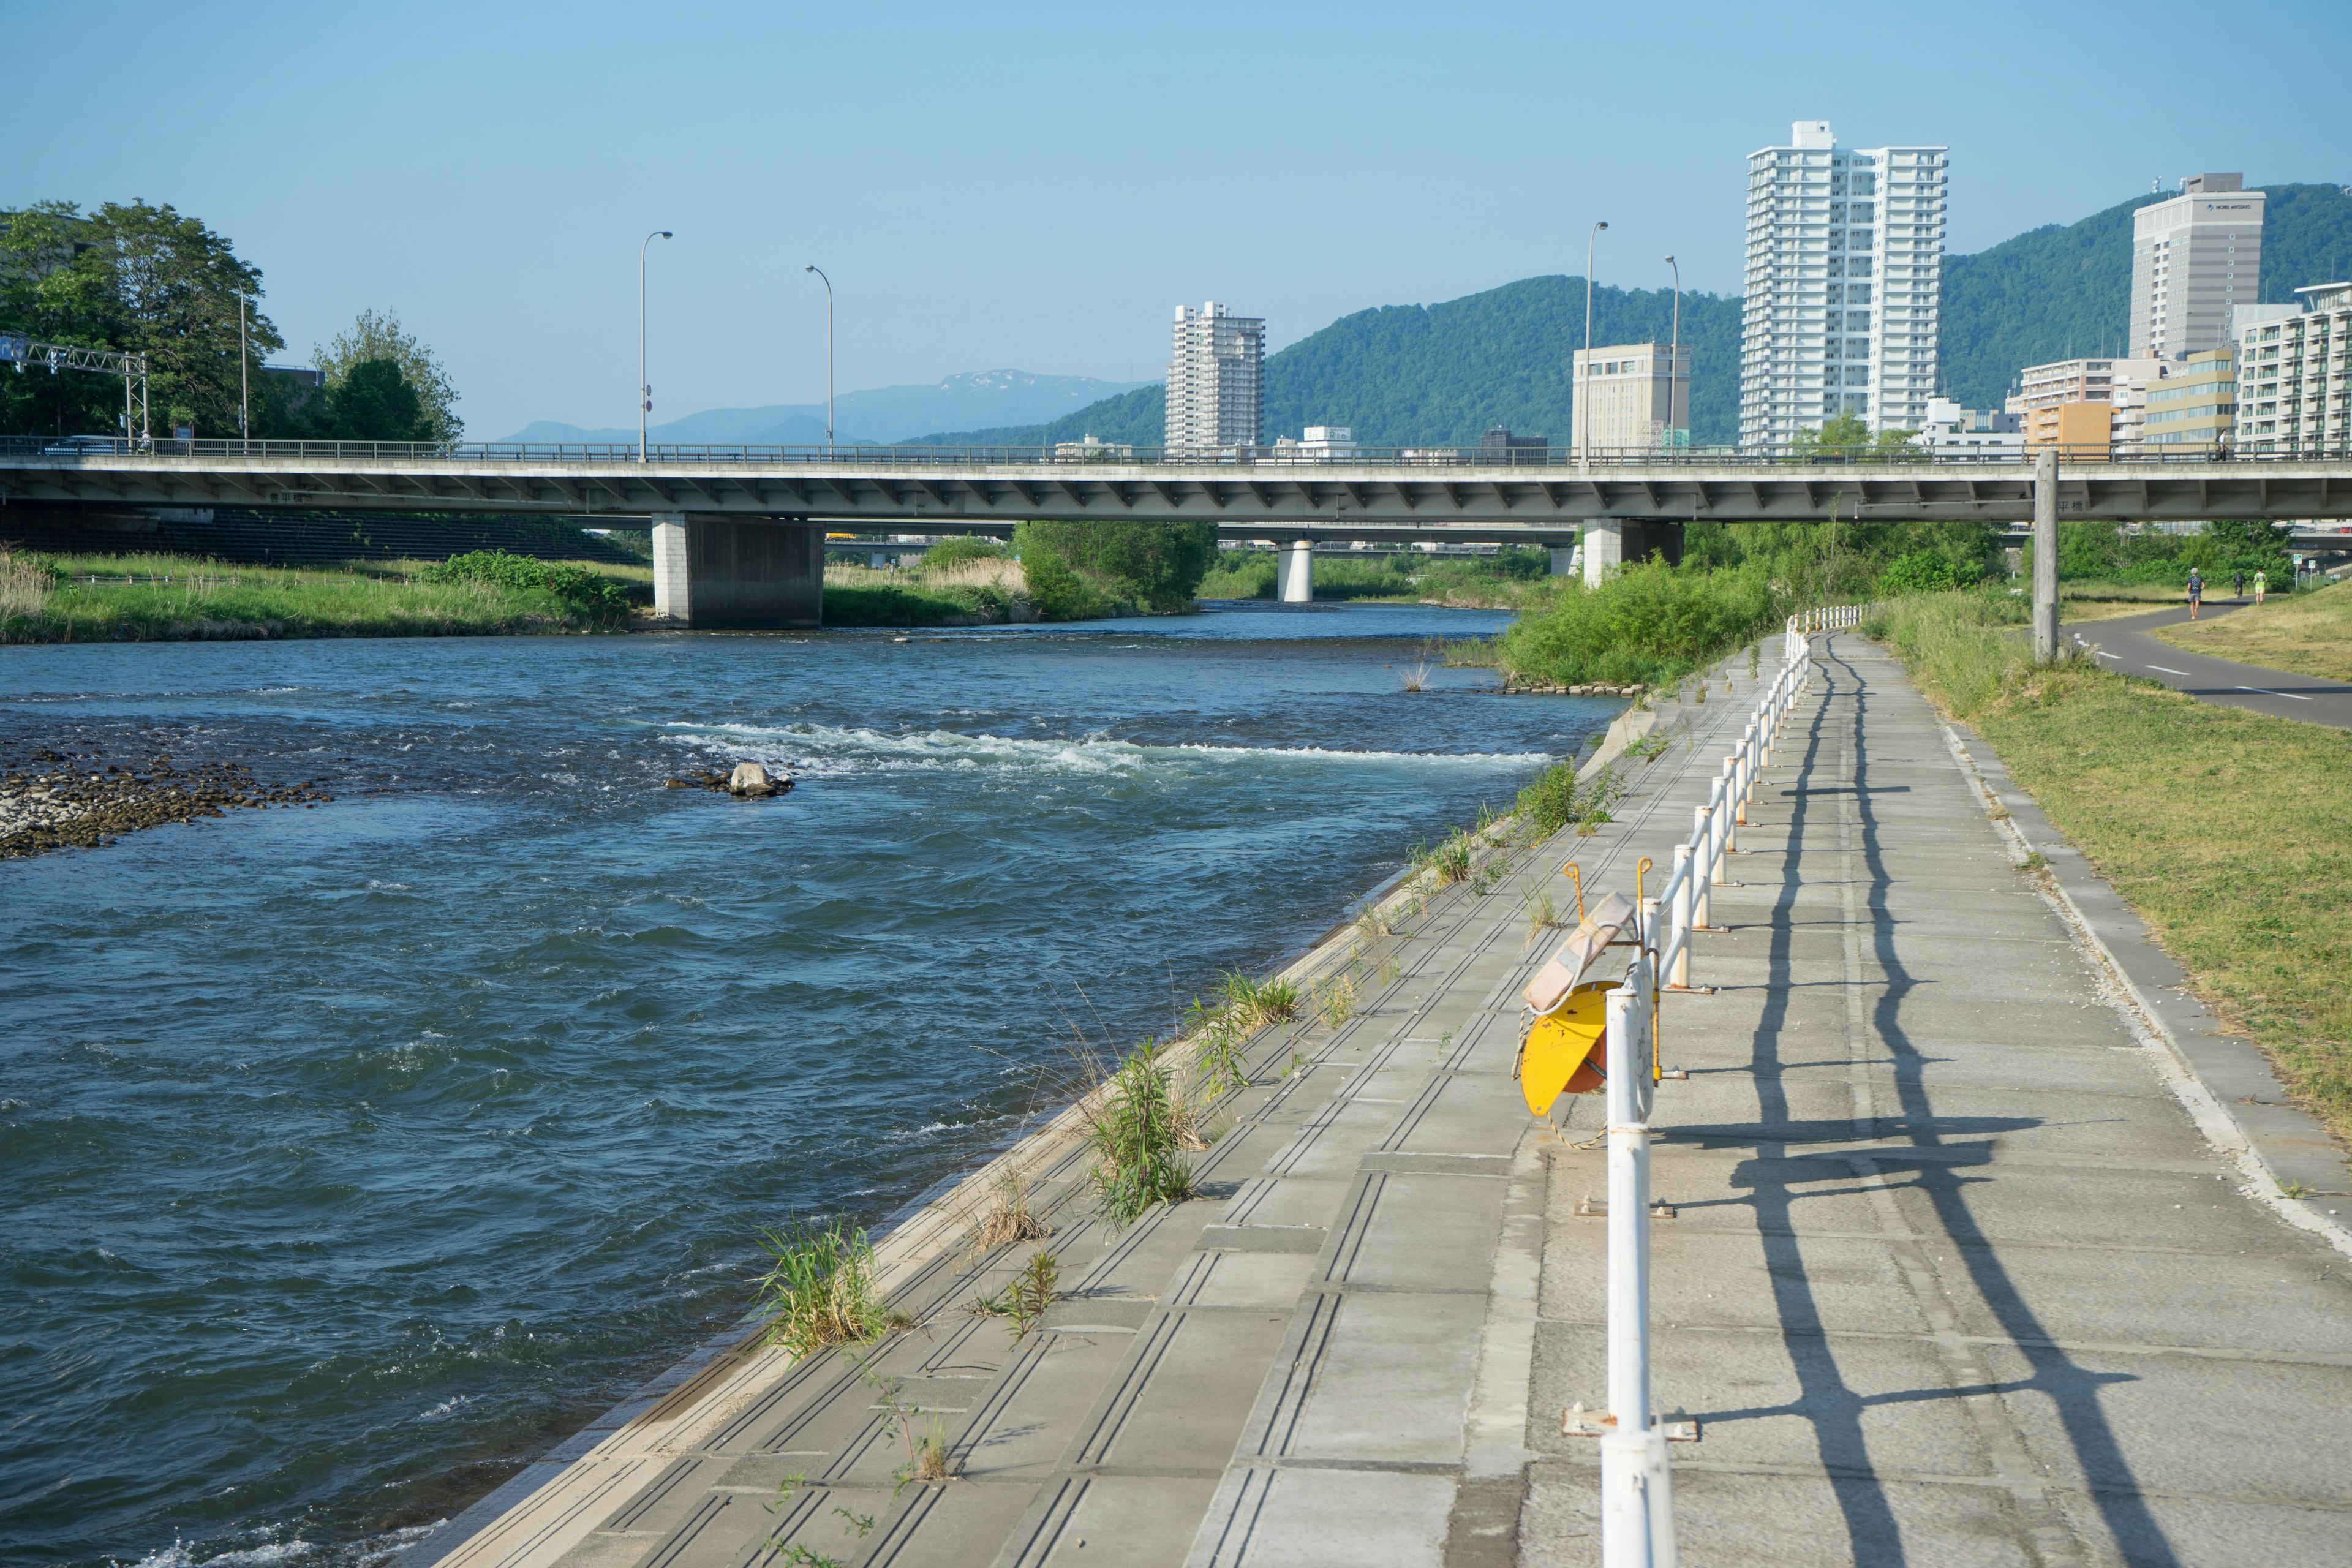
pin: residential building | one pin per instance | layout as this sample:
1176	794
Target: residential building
1216	381
2194	409
2078	381
1950	430
2083	431
2294	378
1628	397
1502	446
1320	444
1844	279
2194	258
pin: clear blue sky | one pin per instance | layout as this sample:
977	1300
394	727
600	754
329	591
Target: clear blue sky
1037	186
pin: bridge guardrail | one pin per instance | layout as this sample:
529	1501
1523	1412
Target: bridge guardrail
1242	459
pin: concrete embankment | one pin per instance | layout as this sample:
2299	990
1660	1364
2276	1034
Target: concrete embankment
1955	1272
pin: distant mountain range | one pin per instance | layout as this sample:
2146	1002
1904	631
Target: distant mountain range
1405	374
881	414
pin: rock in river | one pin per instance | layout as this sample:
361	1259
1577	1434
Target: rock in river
751	780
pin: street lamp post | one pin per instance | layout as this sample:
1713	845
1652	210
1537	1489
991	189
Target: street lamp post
244	379
1675	350
813	267
1583	414
644	387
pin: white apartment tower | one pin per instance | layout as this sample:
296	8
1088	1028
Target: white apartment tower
1216	380
2193	259
1845	269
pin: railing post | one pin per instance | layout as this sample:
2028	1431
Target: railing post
1717	873
1680	934
1730	803
1702	839
1637	1519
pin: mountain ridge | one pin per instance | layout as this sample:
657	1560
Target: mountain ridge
884	414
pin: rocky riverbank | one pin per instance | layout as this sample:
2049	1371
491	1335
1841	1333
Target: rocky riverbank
59	800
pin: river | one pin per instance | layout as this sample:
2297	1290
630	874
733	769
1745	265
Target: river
354	1154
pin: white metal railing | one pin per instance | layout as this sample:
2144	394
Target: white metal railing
1637	1527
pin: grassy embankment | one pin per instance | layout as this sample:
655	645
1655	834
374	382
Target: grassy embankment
955	589
2309	633
2229	832
42	599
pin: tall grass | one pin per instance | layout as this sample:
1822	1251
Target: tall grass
819	1289
1137	1127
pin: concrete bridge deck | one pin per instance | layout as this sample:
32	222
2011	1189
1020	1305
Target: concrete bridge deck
934	488
1956	1276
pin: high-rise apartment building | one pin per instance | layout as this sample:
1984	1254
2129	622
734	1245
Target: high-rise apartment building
1216	381
1845	266
2294	378
1630	398
2193	259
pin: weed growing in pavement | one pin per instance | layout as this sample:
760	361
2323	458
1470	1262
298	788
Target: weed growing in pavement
1555	799
1254	1004
1654	744
1024	1300
1137	1127
1755	658
1334	1000
820	1289
1542	915
1009	1218
1447	863
856	1528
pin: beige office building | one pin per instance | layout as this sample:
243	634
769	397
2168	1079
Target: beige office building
2193	260
1635	398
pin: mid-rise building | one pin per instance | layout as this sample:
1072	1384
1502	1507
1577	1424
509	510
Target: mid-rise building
2194	409
2294	378
1504	446
2079	381
2193	259
1319	443
1950	430
1629	397
1844	285
2083	431
1216	381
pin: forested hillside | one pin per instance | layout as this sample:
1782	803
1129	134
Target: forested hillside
1402	374
2061	290
1405	375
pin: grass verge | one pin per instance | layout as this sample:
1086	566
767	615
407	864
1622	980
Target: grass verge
2230	833
2309	633
169	597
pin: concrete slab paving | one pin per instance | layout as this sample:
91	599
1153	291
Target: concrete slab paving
1956	1276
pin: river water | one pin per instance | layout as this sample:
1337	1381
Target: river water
348	1155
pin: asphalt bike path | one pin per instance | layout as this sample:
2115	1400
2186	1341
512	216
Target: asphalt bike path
2124	644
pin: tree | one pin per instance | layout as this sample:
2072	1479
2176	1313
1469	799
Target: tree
380	337
140	280
1157	565
1846	439
376	403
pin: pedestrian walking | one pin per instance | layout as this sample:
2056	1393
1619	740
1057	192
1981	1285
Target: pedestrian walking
2262	585
2196	591
2238	585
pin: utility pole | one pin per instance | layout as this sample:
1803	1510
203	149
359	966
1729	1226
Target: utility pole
2045	555
1583	413
645	385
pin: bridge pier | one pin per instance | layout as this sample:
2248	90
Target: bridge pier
1566	560
1294	571
713	571
1613	542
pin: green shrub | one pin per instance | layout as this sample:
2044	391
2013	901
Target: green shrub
1156	564
1649	622
585	592
1059	590
949	553
1554	801
1926	571
1240	574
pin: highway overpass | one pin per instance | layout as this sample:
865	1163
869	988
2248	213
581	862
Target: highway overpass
738	530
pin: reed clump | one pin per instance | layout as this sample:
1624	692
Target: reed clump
819	1289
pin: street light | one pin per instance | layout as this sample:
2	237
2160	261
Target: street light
644	387
813	267
243	380
1583	414
1674	353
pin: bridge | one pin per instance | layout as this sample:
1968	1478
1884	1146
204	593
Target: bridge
738	530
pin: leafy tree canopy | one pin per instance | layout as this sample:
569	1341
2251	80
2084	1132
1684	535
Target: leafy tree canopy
374	336
376	403
1155	564
137	279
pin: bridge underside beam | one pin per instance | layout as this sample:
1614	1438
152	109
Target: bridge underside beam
738	573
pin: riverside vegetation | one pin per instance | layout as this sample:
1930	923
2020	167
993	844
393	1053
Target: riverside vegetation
2228	831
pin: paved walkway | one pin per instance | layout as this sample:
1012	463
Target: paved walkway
1953	1278
2124	644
